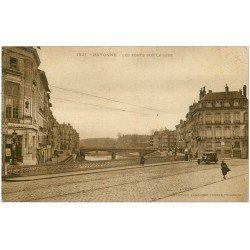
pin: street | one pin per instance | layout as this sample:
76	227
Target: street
176	182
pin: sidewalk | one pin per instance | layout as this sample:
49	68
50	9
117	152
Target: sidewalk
81	172
233	189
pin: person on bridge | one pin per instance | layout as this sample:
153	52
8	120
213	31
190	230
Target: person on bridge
224	169
142	161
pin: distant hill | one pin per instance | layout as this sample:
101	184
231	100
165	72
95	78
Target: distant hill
97	142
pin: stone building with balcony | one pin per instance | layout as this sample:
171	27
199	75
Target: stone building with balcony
163	140
69	138
26	110
19	111
217	122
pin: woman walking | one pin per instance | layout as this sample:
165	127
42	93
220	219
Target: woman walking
224	169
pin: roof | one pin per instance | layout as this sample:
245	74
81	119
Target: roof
44	80
223	96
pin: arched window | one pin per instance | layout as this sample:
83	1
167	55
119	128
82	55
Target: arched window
217	118
227	132
218	132
227	118
208	118
208	132
236	117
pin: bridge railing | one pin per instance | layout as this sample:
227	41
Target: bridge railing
81	165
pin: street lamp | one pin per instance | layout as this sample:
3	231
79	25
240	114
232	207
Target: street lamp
14	144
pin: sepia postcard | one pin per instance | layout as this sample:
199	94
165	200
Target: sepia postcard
125	124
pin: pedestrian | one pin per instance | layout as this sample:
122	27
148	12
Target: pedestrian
186	156
224	169
142	161
74	157
190	156
196	154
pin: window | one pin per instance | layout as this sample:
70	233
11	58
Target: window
218	104
226	104
236	103
208	144
236	131
237	117
227	132
245	117
208	104
237	144
244	131
227	118
218	132
228	144
209	132
217	118
11	100
13	63
218	144
208	118
200	118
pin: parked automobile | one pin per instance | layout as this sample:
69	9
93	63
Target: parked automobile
208	157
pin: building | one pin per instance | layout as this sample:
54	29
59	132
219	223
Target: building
19	111
217	122
132	141
30	133
69	138
44	150
164	140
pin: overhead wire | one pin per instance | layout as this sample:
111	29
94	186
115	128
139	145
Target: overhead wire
108	99
99	106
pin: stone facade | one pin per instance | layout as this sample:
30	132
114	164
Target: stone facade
217	122
163	140
26	108
69	138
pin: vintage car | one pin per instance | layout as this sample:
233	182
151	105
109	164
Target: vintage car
208	157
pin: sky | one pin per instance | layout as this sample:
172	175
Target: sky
159	82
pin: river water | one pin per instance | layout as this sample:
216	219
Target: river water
104	157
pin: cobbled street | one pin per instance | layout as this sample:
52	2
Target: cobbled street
154	183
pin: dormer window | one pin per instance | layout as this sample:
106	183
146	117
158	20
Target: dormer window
236	103
226	104
209	104
218	104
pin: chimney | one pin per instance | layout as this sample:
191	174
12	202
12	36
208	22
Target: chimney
240	91
200	96
204	91
226	89
245	91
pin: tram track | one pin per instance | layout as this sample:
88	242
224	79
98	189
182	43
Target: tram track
83	191
164	167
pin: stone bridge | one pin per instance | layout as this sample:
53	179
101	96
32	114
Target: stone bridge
113	151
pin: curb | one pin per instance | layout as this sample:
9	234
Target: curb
73	173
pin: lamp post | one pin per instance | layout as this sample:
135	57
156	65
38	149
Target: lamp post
14	144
